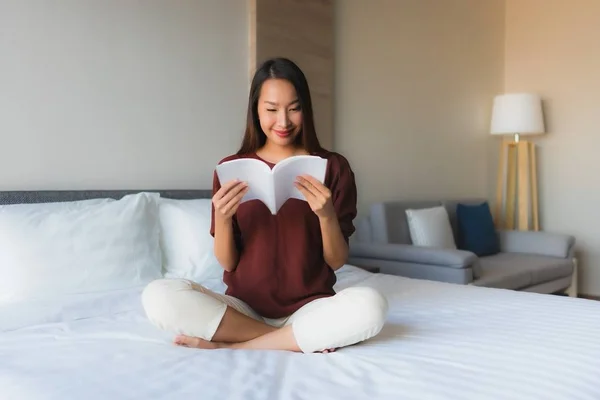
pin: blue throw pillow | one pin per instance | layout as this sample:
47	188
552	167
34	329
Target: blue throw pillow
476	230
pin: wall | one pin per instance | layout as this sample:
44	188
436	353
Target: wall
552	49
120	94
414	84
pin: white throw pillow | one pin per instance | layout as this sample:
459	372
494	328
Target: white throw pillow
79	248
186	243
430	227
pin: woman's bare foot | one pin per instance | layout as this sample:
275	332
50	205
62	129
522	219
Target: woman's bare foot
197	343
279	339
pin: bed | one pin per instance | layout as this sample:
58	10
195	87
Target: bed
441	341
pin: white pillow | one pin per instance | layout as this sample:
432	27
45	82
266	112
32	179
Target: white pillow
186	243
59	206
80	248
430	227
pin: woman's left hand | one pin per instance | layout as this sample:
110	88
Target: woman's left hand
317	195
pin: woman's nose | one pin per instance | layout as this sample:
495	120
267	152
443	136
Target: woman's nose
282	119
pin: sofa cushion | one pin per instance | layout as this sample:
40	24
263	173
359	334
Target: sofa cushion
476	230
430	227
452	204
388	220
516	271
502	271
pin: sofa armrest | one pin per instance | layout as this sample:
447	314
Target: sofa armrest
536	242
414	254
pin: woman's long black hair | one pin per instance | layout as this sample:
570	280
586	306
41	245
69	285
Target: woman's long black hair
280	68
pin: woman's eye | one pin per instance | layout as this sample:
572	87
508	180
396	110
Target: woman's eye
271	109
295	109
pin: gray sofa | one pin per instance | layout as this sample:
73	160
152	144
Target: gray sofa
540	262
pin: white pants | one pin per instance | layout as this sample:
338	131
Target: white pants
352	315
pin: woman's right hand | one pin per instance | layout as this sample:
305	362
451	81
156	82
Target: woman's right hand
227	199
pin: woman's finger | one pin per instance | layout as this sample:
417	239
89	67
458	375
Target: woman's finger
321	194
318	186
226	188
308	195
318	197
231	206
305	190
232	193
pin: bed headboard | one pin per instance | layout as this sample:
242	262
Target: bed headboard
48	196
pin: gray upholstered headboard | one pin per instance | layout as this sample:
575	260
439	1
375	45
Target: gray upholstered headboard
48	196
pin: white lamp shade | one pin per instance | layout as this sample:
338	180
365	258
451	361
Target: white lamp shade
517	113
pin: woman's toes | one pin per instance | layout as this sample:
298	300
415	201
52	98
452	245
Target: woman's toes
327	351
187	341
194	342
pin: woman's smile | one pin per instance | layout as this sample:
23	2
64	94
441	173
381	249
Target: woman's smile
283	133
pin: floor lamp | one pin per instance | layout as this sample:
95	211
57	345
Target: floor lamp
517	114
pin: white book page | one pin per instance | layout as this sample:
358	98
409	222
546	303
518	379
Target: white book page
255	173
286	172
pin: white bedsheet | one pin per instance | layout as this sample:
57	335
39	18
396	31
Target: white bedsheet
442	341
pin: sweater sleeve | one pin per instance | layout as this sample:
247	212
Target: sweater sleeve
344	196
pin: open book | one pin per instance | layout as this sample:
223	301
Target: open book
272	186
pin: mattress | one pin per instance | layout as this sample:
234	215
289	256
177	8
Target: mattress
442	341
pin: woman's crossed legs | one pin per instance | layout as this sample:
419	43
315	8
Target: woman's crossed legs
205	319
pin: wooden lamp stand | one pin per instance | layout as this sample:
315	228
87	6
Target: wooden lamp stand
517	186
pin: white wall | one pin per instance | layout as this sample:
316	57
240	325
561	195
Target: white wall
552	49
414	84
119	94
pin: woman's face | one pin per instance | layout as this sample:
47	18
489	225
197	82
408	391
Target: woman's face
279	112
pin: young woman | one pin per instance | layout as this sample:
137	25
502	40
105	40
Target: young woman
279	269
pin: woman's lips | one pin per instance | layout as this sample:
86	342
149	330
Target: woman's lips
282	133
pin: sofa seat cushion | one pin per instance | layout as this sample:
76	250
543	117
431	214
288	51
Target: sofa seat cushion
546	269
516	271
502	272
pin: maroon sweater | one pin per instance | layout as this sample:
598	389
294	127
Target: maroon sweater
281	265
